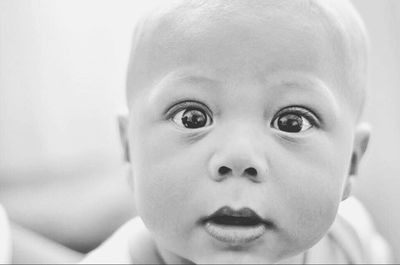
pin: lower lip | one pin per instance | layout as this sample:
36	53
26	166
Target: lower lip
235	235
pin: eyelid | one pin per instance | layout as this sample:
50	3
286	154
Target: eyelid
175	108
306	112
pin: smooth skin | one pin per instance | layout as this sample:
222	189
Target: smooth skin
265	99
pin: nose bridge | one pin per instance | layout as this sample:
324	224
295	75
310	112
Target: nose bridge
239	153
239	149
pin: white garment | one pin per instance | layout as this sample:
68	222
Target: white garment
352	239
5	239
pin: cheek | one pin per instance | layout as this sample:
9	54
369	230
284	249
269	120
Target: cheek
167	178
311	187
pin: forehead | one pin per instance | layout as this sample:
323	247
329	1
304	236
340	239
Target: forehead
244	42
243	39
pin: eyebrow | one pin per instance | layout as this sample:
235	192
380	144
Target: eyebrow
294	79
305	82
302	81
183	77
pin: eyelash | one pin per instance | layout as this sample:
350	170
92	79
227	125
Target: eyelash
301	111
176	108
297	110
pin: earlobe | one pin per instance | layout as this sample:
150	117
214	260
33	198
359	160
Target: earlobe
123	132
348	187
361	140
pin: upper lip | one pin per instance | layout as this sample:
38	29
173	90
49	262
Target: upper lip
243	216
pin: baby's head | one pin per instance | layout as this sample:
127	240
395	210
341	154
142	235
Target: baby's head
243	132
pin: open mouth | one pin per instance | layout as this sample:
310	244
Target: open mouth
230	217
236	227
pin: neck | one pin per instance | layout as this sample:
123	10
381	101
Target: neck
167	257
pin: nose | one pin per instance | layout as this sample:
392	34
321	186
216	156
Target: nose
238	158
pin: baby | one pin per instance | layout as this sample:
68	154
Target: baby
244	135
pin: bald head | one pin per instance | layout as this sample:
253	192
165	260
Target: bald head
161	31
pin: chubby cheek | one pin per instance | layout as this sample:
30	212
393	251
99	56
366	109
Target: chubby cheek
311	188
167	178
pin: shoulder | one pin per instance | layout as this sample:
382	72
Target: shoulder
130	244
5	239
353	238
354	219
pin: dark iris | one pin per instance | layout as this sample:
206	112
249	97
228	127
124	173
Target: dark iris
290	123
194	118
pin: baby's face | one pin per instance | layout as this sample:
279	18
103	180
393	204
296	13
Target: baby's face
240	139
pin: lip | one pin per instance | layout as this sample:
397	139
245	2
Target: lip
236	227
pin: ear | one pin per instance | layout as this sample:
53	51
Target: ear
361	140
123	133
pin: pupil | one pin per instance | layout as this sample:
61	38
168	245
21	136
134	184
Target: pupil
290	123
193	118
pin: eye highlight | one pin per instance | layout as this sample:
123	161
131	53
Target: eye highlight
190	115
294	120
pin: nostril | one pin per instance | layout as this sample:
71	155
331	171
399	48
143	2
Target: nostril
251	171
224	170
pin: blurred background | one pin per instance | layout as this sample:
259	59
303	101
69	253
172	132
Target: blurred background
62	77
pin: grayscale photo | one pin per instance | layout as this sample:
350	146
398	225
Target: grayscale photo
199	131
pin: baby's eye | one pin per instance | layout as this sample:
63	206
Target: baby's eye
294	120
192	118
